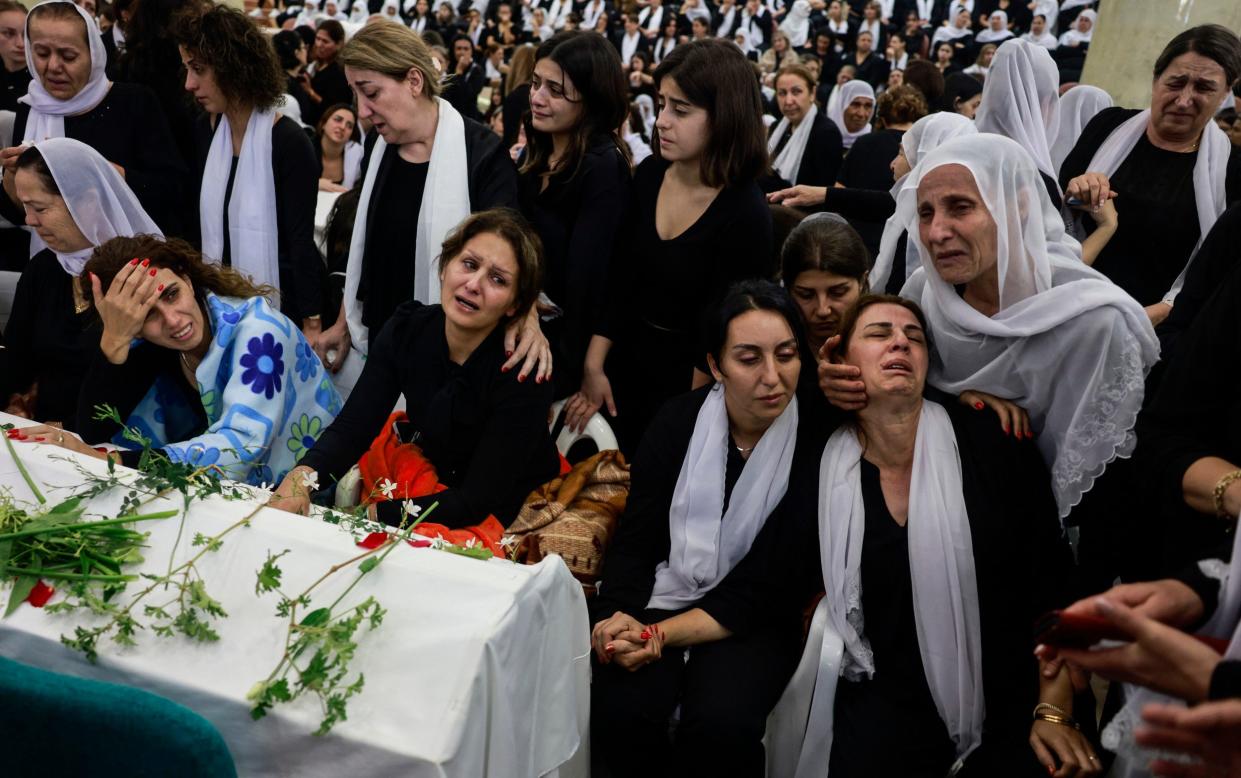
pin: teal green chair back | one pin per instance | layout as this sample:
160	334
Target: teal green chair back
59	725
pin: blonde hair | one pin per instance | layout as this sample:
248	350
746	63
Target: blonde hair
391	49
520	67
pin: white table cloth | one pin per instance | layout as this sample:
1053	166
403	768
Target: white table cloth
479	668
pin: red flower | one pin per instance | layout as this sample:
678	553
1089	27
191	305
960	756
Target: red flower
40	594
374	540
420	543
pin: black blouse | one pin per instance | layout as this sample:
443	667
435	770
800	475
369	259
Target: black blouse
578	217
484	431
129	129
13	84
295	169
331	85
1158	216
46	341
386	281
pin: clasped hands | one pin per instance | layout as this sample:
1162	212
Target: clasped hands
626	641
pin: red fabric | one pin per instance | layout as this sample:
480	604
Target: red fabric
40	594
405	465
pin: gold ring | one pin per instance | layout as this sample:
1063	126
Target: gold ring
60	438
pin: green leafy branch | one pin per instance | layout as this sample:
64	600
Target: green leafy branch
326	634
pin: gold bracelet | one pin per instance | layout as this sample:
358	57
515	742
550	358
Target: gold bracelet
1221	486
1056	709
1066	721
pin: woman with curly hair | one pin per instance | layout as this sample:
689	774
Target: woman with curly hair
256	201
70	96
194	358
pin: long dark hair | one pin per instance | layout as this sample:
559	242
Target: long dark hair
752	295
594	67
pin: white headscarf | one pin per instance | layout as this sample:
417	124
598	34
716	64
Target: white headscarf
1210	172
950	32
945	587
927	134
389	5
1073	35
47	113
708	541
991	36
1021	100
788	162
1049	10
1046	40
1067	345
797	24
445	202
1077	107
1068	5
101	204
252	235
851	91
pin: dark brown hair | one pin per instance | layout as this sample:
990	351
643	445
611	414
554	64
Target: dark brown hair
848	322
520	236
900	105
9	5
594	67
327	114
801	71
1213	41
822	243
716	76
334	29
32	159
923	75
174	254
240	56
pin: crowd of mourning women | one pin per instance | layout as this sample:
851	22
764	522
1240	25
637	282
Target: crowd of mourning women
924	357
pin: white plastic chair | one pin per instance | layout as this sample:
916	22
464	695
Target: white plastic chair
597	430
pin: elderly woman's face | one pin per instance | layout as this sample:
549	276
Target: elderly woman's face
759	366
858	113
61	55
391	106
955	225
48	214
1186	96
889	346
793	95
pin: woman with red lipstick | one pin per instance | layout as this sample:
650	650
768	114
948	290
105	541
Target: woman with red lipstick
574	184
483	430
700	224
678	620
74	201
71	97
937	545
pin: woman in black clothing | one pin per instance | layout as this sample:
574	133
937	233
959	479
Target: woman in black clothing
74	201
700	223
292	51
868	64
824	265
574	186
257	169
962	94
517	92
1171	166
420	144
327	78
484	431
929	593
684	571
71	97
809	155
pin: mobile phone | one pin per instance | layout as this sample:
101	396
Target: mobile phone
1075	630
1074	201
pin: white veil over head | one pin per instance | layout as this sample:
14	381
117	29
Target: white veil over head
47	113
1067	345
100	202
1077	107
1021	99
928	133
851	91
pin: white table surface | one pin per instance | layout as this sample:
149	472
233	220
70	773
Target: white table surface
480	668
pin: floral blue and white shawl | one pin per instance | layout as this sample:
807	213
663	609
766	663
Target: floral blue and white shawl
266	395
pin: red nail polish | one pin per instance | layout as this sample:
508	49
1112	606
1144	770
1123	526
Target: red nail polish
38	440
1005	428
135	261
978	406
609	648
521	379
159	288
152	272
508	354
146	262
504	369
646	634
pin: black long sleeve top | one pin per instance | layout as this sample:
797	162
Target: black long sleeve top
1216	259
295	168
579	217
820	162
1023	564
483	430
642	540
128	128
46	341
333	88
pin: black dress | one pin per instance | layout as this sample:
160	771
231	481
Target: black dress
13	84
578	217
665	288
1023	569
726	688
1215	262
392	223
484	431
295	169
127	128
330	84
820	162
1158	217
868	165
46	341
515	106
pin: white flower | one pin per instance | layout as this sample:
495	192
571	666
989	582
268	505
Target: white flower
438	543
310	480
508	541
471	543
387	487
263	485
411	510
